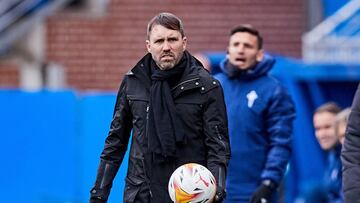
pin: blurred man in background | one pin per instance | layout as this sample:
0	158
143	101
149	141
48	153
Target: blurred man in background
260	113
176	113
351	154
324	119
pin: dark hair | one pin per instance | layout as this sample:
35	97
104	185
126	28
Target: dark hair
330	107
249	29
168	20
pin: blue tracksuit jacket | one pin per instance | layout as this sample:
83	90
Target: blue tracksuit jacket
260	114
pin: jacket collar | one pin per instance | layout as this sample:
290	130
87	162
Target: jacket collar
189	79
260	69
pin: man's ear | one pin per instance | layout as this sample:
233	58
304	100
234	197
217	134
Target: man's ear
148	45
260	55
184	43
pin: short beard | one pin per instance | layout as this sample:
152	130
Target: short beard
169	65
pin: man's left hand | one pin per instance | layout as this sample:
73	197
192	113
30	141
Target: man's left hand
263	193
219	196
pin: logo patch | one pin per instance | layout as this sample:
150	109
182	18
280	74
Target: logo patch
251	96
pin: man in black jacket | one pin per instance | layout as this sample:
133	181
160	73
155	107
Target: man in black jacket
350	155
176	113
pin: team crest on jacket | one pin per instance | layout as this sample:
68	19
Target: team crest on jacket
251	96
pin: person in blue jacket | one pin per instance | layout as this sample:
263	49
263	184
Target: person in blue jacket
260	114
324	120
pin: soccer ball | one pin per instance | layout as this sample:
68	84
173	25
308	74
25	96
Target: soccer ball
192	183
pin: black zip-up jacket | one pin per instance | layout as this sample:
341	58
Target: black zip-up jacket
350	155
199	102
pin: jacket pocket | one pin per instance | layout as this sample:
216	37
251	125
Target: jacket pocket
132	187
137	103
190	112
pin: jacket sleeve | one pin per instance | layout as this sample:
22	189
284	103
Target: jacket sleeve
279	124
351	153
216	133
115	147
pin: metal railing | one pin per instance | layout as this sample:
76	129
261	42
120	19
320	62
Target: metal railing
337	39
17	16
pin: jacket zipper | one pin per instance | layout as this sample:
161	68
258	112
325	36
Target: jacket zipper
147	114
143	162
220	138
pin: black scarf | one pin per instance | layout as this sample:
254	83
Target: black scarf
165	128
